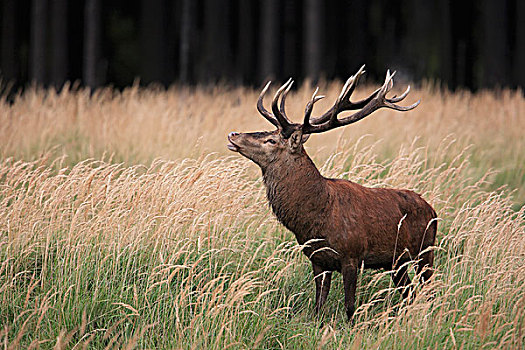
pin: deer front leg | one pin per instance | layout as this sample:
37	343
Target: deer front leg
349	271
322	279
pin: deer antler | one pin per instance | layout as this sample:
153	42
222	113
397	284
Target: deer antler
278	115
367	106
329	119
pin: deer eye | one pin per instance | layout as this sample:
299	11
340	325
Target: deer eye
272	141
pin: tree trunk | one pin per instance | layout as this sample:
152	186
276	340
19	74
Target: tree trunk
186	35
291	54
246	39
312	40
37	59
495	61
59	53
216	56
464	28
8	68
352	37
445	36
419	44
152	41
269	42
519	50
91	42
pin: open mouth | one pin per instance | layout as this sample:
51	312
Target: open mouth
232	146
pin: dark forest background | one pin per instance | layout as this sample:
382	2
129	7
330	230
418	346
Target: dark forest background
468	44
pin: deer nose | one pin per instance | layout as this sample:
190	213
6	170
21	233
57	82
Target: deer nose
232	134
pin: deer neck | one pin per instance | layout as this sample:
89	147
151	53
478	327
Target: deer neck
298	194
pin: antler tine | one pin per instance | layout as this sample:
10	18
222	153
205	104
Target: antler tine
388	84
402	108
343	102
283	121
345	94
260	106
374	102
346	88
310	106
283	100
390	102
399	98
353	83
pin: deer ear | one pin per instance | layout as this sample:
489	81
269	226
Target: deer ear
297	139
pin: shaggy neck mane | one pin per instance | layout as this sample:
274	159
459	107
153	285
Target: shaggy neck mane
298	194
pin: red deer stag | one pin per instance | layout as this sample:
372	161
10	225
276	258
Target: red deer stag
340	224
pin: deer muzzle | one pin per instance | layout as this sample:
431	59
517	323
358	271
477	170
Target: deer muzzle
232	146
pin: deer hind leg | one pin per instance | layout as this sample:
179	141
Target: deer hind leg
402	281
323	280
424	266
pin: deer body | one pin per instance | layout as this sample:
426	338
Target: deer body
351	220
340	224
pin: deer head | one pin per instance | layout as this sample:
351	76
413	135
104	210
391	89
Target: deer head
266	147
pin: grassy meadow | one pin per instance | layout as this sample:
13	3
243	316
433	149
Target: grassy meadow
126	223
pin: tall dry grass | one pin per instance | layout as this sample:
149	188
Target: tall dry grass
132	249
138	125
